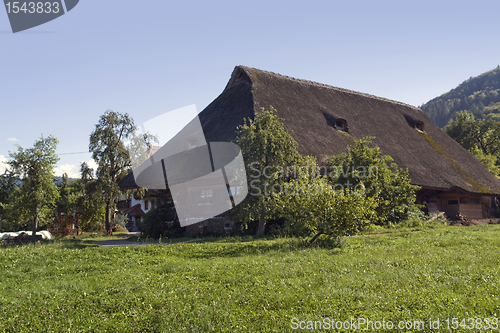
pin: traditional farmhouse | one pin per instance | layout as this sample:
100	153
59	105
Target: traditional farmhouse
131	211
325	120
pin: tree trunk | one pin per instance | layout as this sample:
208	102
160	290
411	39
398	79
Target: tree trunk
35	218
320	232
262	220
108	219
77	224
35	227
262	226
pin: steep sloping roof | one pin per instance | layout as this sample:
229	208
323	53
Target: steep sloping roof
127	182
310	109
134	211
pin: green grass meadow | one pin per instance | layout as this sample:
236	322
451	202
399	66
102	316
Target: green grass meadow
230	284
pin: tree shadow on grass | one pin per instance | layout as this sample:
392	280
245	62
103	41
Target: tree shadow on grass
71	244
61	244
234	247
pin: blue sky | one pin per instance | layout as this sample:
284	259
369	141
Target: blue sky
149	57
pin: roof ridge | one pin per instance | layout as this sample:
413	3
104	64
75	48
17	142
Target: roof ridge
323	85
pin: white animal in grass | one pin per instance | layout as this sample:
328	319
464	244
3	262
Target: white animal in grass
46	235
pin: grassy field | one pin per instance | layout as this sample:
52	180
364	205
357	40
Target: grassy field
232	285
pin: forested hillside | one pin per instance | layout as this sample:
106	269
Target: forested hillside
479	95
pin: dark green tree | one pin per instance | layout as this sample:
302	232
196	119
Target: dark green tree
9	183
66	203
161	220
480	137
37	196
89	200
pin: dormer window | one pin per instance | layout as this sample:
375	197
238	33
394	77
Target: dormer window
419	126
341	125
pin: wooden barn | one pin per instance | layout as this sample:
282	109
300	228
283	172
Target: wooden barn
325	120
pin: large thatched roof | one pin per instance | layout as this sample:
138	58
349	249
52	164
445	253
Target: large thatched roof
311	109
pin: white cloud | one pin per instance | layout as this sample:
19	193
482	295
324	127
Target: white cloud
73	170
13	139
91	163
3	164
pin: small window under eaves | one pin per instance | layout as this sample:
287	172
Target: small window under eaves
419	126
341	125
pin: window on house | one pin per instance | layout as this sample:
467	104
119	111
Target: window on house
452	202
235	190
341	125
419	125
207	194
206	197
146	205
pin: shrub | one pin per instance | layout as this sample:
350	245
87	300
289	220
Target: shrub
312	207
384	181
161	221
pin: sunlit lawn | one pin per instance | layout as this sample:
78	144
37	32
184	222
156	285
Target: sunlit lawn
260	285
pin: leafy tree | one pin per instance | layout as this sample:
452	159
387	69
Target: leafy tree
385	182
66	205
37	196
81	200
9	183
461	129
475	133
109	152
268	149
480	137
311	205
493	116
491	162
89	200
66	202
